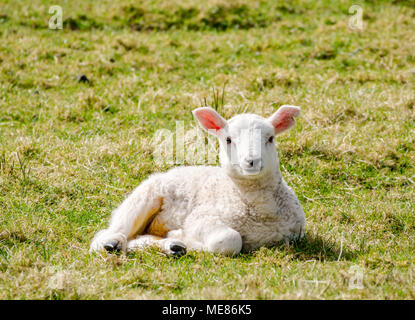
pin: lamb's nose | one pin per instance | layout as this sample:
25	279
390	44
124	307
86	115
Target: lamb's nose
252	163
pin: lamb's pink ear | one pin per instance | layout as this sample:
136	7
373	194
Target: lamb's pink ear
283	118
209	119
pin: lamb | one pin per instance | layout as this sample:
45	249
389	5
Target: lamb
240	206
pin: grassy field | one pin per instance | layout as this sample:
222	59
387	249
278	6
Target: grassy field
70	150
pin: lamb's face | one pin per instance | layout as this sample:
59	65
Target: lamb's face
247	147
246	141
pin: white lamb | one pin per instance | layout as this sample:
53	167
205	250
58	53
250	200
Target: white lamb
242	205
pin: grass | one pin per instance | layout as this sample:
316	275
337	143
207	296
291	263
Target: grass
70	151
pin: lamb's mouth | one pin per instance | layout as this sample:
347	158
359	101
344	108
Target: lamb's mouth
251	171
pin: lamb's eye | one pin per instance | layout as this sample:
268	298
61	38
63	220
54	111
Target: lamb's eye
228	140
271	139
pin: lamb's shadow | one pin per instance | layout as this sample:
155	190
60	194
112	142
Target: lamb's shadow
312	247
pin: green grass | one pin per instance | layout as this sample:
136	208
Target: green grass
70	152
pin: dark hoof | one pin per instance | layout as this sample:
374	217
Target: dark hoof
112	246
83	78
177	249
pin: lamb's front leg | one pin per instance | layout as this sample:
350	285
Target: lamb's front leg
214	238
224	240
130	218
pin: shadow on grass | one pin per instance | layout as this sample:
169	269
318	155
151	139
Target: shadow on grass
314	247
311	247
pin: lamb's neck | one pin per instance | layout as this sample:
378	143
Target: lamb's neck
268	183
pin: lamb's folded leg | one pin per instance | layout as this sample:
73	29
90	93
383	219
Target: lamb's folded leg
130	218
224	240
214	238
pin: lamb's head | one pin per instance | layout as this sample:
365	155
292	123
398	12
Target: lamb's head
246	141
